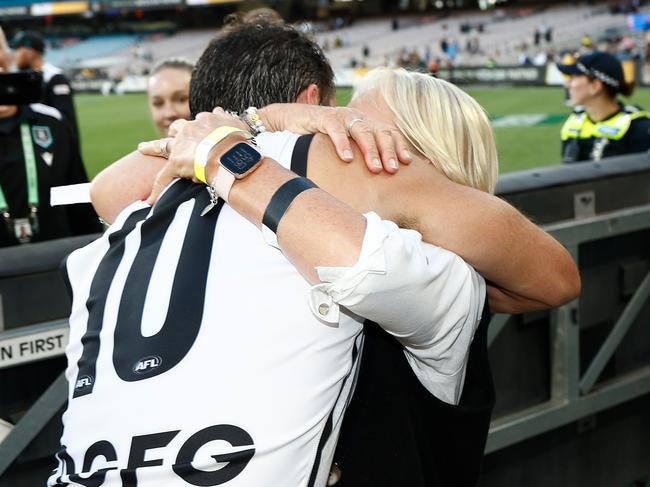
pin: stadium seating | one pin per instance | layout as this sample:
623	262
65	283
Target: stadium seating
189	44
92	48
500	39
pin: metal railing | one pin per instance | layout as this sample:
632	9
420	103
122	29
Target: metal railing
572	396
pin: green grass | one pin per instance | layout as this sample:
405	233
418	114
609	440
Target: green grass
112	126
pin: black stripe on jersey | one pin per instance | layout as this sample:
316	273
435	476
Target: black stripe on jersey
66	466
181	190
327	431
299	155
97	301
196	251
66	277
137	357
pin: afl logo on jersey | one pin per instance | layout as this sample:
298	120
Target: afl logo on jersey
147	364
83	382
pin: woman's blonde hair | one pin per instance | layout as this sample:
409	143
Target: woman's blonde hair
441	121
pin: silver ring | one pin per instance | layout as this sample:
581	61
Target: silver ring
353	121
163	147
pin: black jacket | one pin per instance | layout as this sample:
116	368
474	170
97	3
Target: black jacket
396	433
57	93
58	163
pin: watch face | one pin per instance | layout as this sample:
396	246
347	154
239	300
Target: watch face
240	159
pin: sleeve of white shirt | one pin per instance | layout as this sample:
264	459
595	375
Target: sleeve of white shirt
426	297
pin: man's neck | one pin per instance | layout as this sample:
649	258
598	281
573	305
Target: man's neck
602	109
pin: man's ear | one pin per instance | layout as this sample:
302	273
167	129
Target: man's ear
310	95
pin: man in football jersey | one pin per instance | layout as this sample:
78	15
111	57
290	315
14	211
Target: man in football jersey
280	377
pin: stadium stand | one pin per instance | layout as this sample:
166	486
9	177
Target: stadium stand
187	44
501	38
89	49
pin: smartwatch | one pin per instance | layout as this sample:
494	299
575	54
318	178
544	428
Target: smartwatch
236	163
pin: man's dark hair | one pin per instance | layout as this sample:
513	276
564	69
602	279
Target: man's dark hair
256	65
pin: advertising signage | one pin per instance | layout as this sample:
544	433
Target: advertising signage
39	8
139	4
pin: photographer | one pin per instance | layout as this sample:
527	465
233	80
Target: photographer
38	151
29	48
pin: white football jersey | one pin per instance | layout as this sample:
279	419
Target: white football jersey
194	358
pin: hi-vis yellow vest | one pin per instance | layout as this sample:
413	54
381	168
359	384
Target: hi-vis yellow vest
579	126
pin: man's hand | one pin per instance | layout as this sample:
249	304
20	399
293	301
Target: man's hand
383	146
185	137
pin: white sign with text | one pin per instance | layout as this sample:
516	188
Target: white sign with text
30	347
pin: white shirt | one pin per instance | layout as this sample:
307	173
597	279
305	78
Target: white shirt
425	296
222	367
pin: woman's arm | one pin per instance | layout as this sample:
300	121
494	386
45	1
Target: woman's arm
527	268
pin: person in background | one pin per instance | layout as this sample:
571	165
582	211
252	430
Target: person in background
29	49
586	45
168	90
37	152
600	125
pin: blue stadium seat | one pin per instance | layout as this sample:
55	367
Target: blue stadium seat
91	48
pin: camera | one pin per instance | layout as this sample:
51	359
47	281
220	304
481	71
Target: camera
21	88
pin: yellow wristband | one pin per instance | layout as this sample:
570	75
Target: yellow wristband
206	145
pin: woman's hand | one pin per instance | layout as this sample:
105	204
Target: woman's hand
383	146
180	147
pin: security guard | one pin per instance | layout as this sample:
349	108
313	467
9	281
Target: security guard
36	153
29	49
600	125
